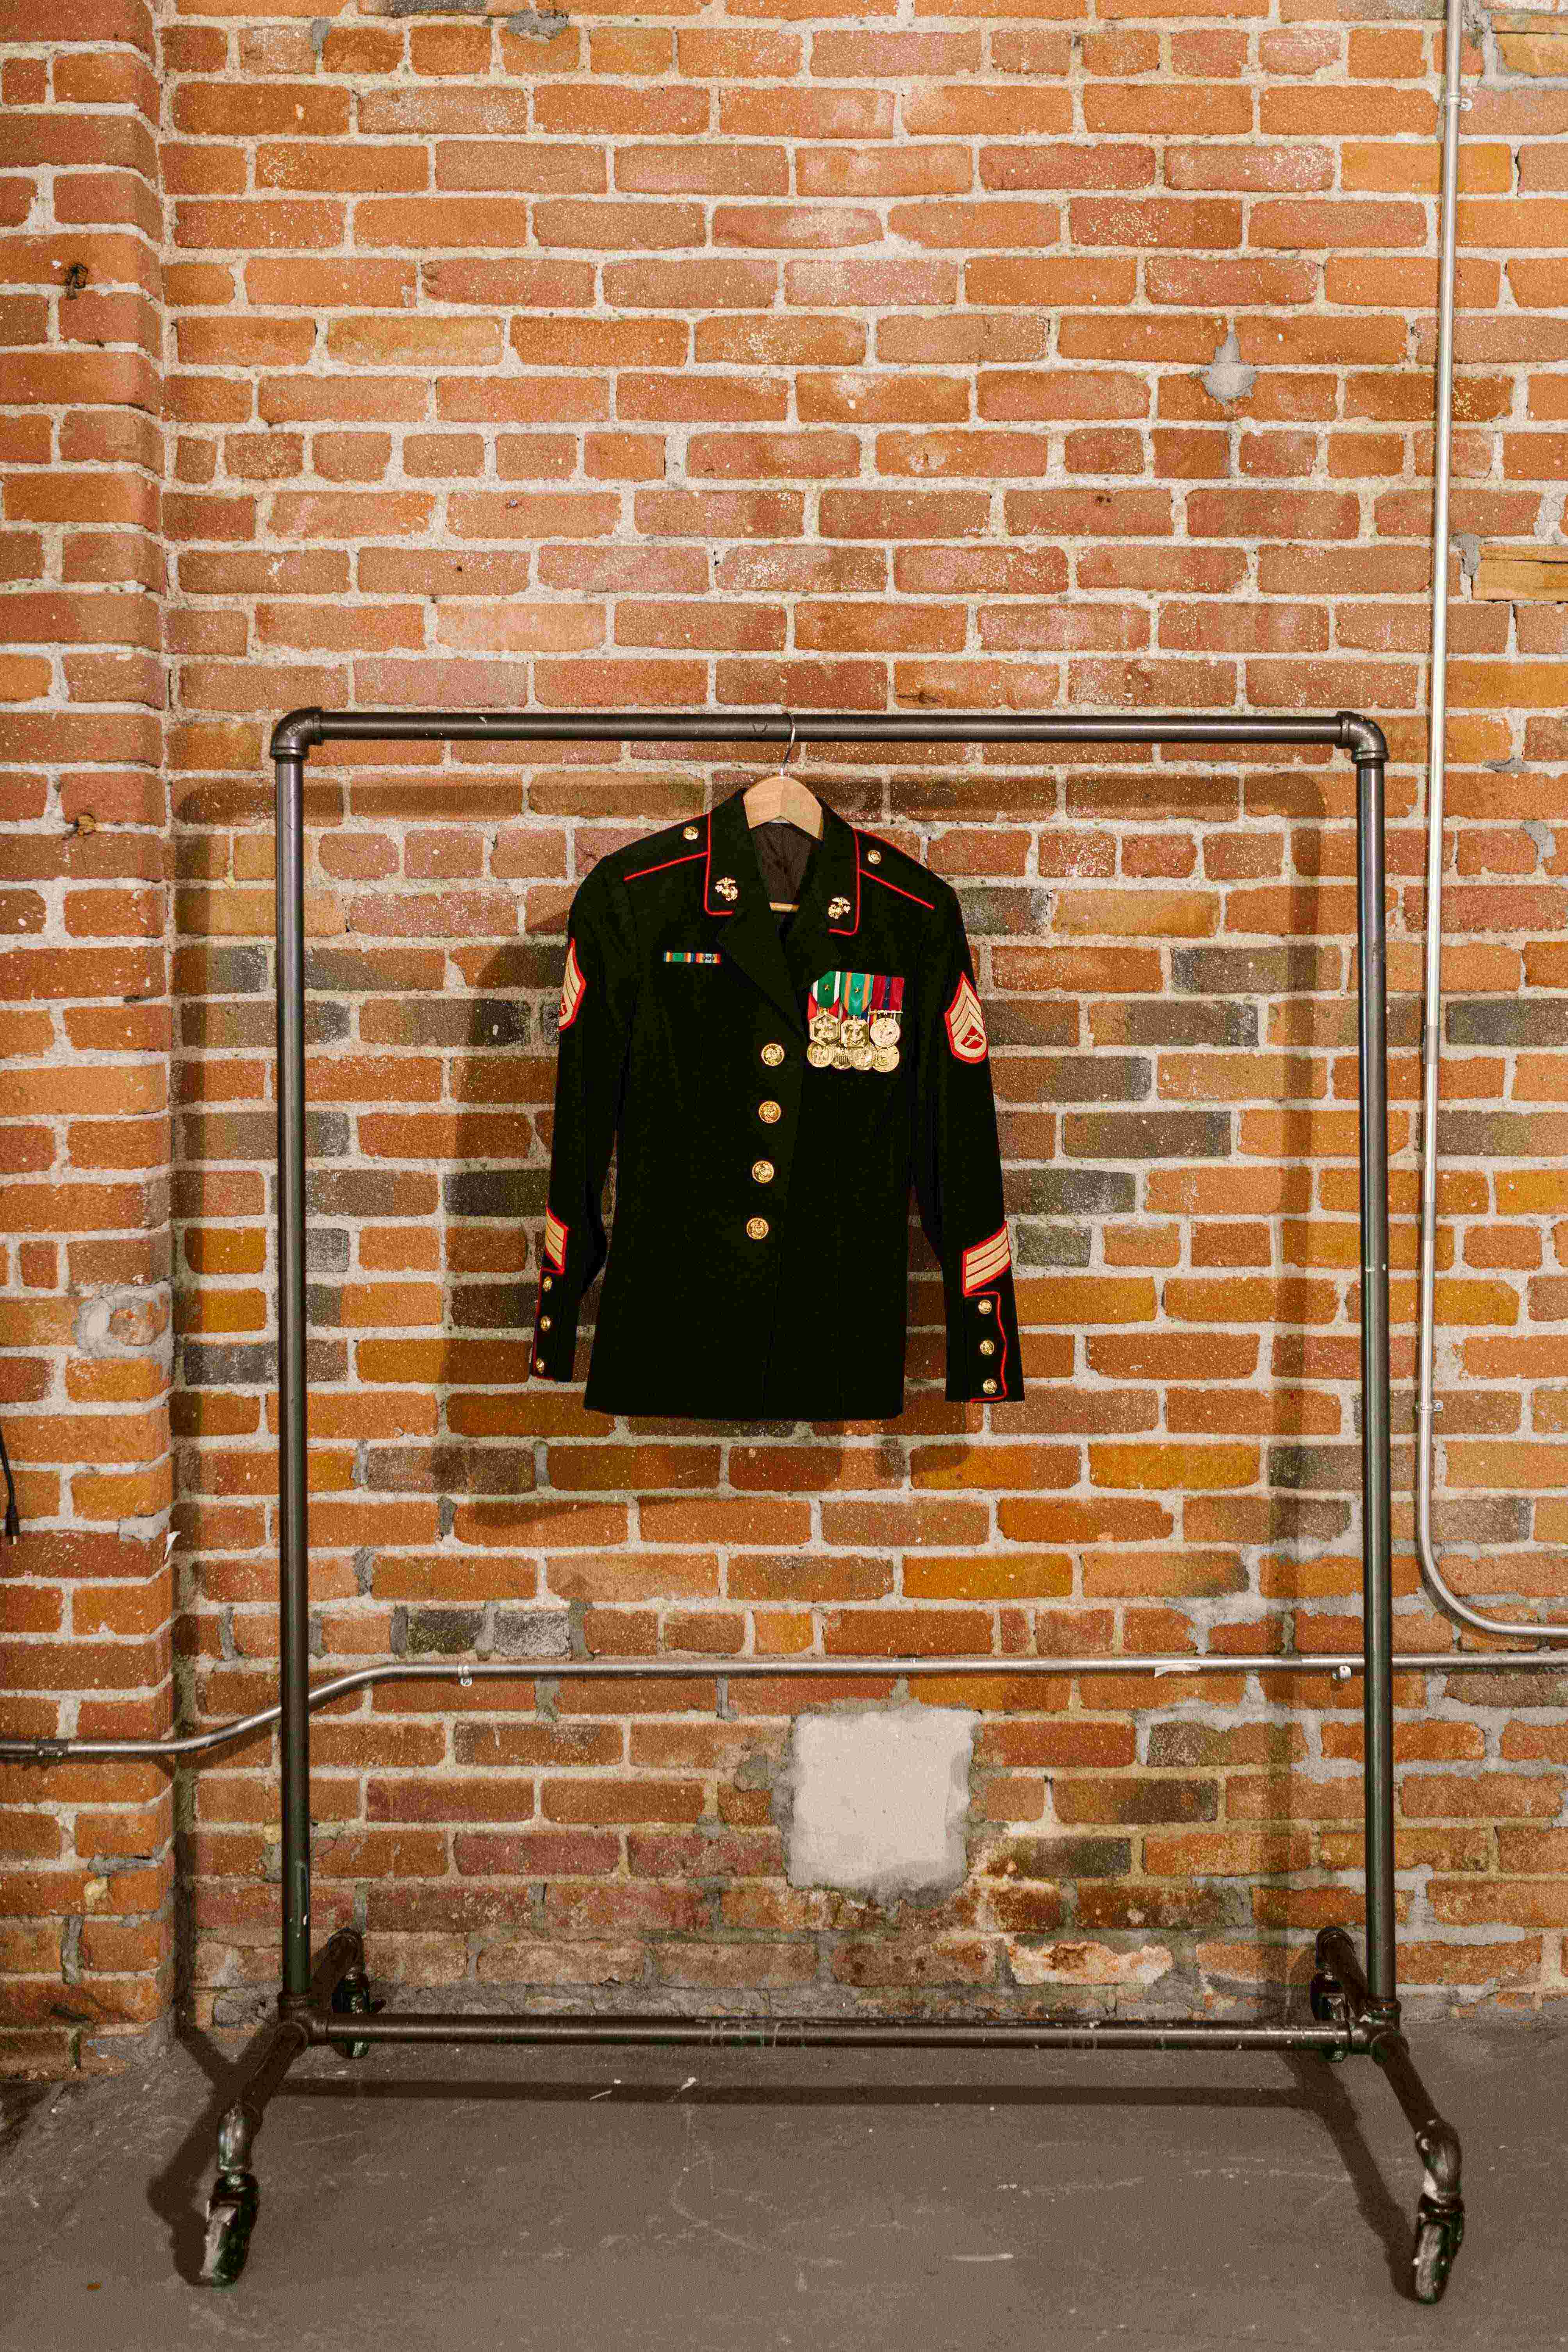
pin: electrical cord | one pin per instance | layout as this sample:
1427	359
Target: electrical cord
13	1523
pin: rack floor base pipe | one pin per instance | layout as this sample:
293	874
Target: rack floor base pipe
1354	1999
340	2012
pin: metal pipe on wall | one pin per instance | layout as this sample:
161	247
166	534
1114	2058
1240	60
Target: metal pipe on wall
1432	1007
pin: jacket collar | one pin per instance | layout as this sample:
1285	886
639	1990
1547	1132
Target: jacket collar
734	894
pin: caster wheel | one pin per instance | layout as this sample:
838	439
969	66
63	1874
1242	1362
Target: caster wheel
351	1998
231	2217
1438	2236
1329	2007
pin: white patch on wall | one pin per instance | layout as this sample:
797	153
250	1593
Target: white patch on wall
1089	1964
876	1802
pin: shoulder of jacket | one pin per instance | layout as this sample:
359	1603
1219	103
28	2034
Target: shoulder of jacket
653	855
657	853
884	861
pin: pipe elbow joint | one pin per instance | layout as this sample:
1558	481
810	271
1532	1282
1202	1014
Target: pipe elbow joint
293	736
1364	737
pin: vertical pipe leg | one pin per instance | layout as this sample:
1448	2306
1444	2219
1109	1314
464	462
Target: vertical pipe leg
293	1532
1377	1598
236	2193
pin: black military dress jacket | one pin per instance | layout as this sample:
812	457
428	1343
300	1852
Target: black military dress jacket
770	1093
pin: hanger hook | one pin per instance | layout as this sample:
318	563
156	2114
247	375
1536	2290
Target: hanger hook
789	747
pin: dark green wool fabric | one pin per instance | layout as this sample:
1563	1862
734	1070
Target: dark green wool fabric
770	1092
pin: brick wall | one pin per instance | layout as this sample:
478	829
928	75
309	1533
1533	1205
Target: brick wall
946	356
86	1868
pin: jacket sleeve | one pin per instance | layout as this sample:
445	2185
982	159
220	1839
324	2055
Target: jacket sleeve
958	1172
598	990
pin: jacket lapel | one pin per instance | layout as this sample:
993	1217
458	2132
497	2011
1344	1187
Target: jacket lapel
822	936
749	933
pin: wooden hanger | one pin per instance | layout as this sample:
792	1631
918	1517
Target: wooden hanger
783	799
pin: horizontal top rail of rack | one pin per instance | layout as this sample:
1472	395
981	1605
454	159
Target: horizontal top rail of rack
295	735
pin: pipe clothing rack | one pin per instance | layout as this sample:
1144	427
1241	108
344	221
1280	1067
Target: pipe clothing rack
326	1999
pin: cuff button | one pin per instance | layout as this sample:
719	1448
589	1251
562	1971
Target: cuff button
988	1387
988	1347
985	1306
544	1322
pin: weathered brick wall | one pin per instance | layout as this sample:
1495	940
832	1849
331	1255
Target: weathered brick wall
85	1873
947	358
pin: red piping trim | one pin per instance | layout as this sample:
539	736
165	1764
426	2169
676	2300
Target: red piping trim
690	859
1000	1398
927	903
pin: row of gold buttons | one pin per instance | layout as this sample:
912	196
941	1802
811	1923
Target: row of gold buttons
987	1347
770	1113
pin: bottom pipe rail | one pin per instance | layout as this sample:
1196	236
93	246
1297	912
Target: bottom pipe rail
830	2032
338	2012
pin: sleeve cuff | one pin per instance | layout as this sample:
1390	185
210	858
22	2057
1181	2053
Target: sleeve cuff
554	1327
984	1361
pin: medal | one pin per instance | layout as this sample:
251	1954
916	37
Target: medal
853	1020
822	1020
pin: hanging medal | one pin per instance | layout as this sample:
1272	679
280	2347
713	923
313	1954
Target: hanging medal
886	1005
823	1021
856	1022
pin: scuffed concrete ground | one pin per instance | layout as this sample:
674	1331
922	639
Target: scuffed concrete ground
607	2201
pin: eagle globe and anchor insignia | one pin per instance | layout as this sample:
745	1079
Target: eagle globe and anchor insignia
854	1020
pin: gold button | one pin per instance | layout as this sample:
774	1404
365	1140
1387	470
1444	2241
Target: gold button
988	1387
773	1055
988	1347
763	1170
538	1363
544	1322
873	857
546	1284
756	1229
985	1306
688	832
770	1113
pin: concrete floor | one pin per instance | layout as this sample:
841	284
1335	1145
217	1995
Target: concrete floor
617	2198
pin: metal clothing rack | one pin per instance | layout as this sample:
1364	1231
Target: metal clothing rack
327	1999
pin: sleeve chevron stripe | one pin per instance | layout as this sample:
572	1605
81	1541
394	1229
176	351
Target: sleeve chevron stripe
573	986
986	1260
